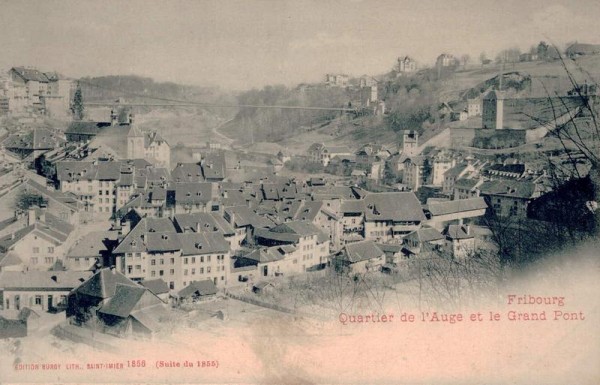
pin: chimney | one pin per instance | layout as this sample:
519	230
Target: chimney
31	216
112	269
113	118
467	229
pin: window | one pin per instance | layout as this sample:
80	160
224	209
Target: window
171	285
50	250
193	259
38	300
161	273
162	261
153	262
193	271
201	270
208	269
153	273
185	272
172	261
49	260
208	258
34	260
138	255
222	278
138	268
202	259
130	269
172	271
36	250
185	261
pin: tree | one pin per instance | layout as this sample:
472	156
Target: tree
25	200
483	58
78	107
542	50
465	59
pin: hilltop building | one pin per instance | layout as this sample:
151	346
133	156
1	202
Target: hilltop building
29	90
406	65
337	80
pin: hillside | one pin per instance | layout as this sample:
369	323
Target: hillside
412	103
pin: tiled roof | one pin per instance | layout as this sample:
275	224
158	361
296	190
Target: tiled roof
187	172
65	280
93	244
266	254
458	232
457	206
36	139
361	251
86	128
509	188
136	240
31	74
156	286
202	288
395	206
124	301
203	243
193	193
203	222
103	284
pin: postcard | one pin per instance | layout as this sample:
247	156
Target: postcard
299	192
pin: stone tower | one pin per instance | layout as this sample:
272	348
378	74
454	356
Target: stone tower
135	141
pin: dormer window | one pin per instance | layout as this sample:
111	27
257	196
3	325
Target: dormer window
198	245
165	236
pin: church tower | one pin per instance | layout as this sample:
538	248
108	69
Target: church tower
135	141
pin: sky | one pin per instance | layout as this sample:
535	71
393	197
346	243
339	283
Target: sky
252	43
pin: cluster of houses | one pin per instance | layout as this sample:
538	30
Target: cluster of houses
27	90
175	235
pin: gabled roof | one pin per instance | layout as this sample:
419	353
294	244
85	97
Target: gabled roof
202	243
104	283
137	239
300	228
57	196
457	206
353	206
187	172
393	206
30	74
93	244
509	188
201	288
193	193
361	251
156	286
266	254
53	229
86	128
583	49
308	211
124	301
244	216
213	166
36	139
426	234
458	232
134	131
203	222
46	280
